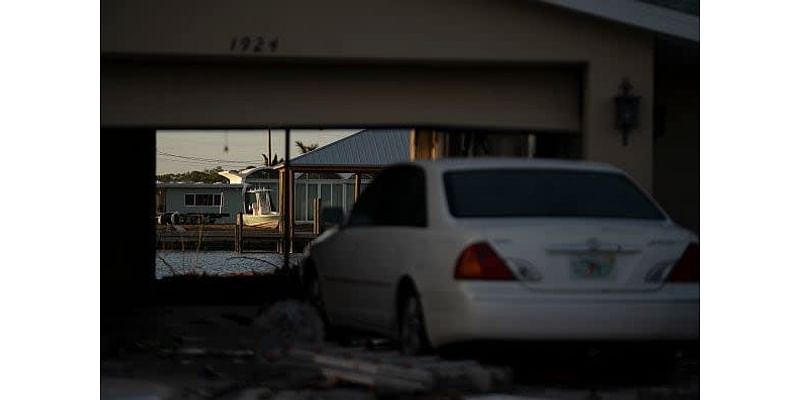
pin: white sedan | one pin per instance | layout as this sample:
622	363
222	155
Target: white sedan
457	250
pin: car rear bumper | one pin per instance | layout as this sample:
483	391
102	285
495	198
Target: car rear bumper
504	311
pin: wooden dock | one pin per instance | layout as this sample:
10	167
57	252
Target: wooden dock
225	237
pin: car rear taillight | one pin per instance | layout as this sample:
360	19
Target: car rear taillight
479	261
687	269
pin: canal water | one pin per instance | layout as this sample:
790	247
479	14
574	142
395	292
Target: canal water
173	262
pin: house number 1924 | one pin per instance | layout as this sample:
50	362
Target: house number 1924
253	44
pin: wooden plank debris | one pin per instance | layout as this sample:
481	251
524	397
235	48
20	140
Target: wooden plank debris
205	352
394	372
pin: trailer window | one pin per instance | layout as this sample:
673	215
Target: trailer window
202	199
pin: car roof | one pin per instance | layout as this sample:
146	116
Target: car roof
454	164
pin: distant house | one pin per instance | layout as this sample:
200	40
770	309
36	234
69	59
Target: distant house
214	202
319	172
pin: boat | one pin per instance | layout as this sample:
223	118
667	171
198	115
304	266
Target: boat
259	210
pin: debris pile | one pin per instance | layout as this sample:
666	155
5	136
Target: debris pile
293	335
392	372
289	323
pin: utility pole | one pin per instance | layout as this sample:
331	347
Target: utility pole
288	186
269	146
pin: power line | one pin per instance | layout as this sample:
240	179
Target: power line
212	160
209	159
208	163
200	163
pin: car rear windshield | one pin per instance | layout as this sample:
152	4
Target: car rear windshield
545	193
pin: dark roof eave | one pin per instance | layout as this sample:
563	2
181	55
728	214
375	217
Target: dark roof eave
638	14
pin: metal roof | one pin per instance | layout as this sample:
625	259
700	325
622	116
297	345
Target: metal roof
639	14
198	185
367	148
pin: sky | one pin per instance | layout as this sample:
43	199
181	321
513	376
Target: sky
182	150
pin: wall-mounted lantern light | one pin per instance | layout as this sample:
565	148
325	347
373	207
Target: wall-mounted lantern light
627	110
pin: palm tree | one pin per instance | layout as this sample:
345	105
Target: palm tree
274	161
305	149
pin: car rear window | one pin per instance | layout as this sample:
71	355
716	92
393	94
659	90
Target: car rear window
545	193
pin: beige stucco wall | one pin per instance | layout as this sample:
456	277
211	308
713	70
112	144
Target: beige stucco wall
602	142
410	34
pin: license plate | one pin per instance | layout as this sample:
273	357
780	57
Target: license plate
594	266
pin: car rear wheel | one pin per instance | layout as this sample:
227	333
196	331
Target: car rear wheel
313	292
412	332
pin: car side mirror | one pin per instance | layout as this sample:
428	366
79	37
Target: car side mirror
332	216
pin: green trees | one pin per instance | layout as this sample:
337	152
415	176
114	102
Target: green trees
206	176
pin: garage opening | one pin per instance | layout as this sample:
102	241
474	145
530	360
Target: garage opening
444	110
220	206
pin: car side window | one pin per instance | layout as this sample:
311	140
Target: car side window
404	201
395	198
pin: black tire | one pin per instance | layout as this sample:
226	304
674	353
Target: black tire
412	333
312	292
311	288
